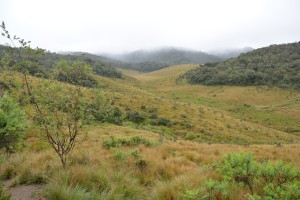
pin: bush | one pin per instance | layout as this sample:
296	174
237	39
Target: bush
265	180
135	116
103	114
240	168
161	122
114	116
12	123
77	74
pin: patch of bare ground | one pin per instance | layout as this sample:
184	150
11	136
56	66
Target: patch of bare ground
24	192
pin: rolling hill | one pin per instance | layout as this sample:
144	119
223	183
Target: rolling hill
47	61
276	65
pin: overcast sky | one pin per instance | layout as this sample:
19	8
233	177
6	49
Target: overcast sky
116	26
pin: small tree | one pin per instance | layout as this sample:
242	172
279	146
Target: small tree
12	123
58	108
60	111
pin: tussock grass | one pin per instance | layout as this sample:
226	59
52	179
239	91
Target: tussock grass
205	123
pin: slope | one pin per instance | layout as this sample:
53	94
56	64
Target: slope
269	107
276	65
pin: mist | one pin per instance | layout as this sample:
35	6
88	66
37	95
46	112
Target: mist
123	26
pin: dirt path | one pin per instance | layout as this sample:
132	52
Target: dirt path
25	192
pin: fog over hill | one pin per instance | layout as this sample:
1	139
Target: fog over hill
167	55
148	60
230	53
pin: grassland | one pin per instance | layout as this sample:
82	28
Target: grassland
207	122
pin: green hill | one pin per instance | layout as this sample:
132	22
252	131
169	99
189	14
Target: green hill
276	65
48	60
146	61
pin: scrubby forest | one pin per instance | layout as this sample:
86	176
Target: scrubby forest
276	65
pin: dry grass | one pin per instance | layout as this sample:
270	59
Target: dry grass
171	168
204	114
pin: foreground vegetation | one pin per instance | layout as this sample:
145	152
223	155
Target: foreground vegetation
171	170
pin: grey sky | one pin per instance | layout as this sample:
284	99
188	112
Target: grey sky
116	26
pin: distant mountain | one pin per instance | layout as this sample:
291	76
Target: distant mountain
276	65
230	53
168	56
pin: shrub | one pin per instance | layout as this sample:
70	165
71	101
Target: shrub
240	168
119	154
102	113
114	116
135	116
265	180
161	122
77	74
213	189
12	123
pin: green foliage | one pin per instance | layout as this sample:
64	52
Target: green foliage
102	112
161	122
42	65
60	110
193	194
276	65
265	180
285	191
135	116
133	141
76	73
241	168
278	173
32	68
212	189
119	154
12	123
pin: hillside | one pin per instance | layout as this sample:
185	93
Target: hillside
48	60
276	65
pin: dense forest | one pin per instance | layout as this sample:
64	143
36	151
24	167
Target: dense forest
276	65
